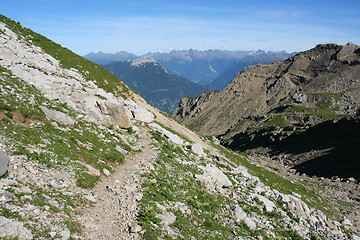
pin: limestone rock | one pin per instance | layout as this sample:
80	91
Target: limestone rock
296	205
197	149
4	163
58	116
65	235
11	229
242	170
250	222
172	137
115	113
167	218
239	213
106	172
214	178
139	113
93	171
346	51
299	98
269	205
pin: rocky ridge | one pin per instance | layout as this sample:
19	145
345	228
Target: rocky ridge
75	170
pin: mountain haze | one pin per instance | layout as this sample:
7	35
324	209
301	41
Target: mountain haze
105	58
203	67
160	88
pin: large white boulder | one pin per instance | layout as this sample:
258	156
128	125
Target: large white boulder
213	178
197	148
139	113
169	135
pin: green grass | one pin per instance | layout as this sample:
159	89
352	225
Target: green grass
278	121
311	194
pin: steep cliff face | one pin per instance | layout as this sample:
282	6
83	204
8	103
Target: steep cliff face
325	69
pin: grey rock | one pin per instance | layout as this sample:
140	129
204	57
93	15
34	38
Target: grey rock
138	112
58	116
11	229
46	141
58	176
117	114
269	205
65	235
42	167
214	179
93	171
346	50
172	137
239	213
167	218
4	163
6	196
135	228
299	98
346	222
250	222
25	189
197	149
297	206
106	172
45	198
91	198
242	170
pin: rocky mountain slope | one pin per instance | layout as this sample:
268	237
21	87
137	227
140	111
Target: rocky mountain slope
312	87
154	83
258	57
301	114
84	157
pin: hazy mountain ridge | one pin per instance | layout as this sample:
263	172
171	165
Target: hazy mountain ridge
160	88
200	66
85	157
105	58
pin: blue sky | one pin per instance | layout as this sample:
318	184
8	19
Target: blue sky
157	26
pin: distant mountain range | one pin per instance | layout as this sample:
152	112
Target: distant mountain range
160	88
105	58
203	67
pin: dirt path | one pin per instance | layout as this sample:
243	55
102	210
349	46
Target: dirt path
113	216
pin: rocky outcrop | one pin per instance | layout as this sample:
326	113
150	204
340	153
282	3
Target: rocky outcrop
68	86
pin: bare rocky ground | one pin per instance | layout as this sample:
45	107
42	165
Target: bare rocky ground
114	211
345	193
